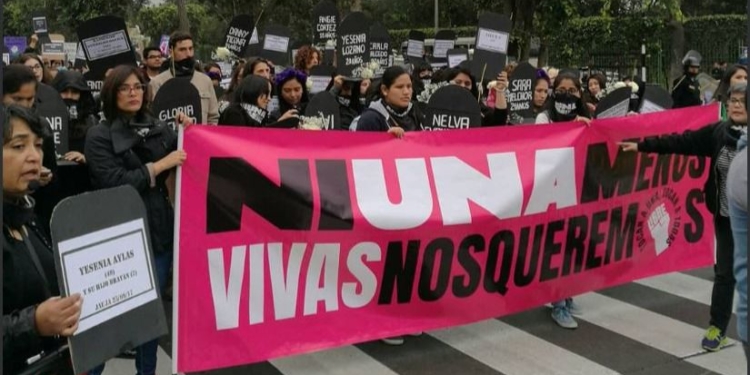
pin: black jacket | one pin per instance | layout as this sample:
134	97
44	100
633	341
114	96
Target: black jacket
706	142
686	93
87	110
24	288
235	115
116	155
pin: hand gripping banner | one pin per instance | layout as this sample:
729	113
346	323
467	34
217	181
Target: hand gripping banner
295	241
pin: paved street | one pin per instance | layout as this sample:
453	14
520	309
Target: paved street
653	326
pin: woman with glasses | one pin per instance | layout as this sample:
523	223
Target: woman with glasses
564	105
131	147
36	64
717	141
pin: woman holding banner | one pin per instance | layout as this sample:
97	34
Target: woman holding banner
565	105
719	142
34	316
131	147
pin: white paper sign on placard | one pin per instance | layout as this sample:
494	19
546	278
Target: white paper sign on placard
106	45
111	268
319	83
650	107
40	24
276	43
6	58
415	48
455	60
442	47
493	41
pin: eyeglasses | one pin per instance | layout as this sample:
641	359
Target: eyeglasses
569	91
35	67
125	89
154	57
740	102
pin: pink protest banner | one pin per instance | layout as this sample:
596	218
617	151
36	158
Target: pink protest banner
296	241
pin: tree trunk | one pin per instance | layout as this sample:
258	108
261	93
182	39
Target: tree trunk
677	50
184	23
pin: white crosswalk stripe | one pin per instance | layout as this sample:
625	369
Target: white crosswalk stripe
531	344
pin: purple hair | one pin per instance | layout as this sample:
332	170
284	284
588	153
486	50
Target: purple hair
541	74
289	74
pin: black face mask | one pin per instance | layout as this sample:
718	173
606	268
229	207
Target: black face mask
566	106
184	68
73	110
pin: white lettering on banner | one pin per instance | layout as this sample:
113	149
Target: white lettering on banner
354	38
238	32
276	43
55	124
554	181
325	260
492	40
371	191
327	19
285	280
450	122
95	85
352	50
106	45
111	269
457	183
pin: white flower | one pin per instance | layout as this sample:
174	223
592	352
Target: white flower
366	73
222	53
634	87
309	85
374	66
312	122
491	85
331	44
430	89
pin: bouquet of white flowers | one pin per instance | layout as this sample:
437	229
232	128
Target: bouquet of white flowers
426	94
222	53
366	70
331	44
312	122
633	86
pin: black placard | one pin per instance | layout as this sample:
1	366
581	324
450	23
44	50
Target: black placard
491	48
521	96
615	104
415	46
457	56
320	77
106	43
94	82
78	229
352	44
325	105
325	21
452	107
177	95
655	99
276	43
40	26
254	47
380	47
239	33
53	109
445	40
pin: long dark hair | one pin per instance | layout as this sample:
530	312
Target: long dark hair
722	92
286	76
112	84
46	76
452	73
562	76
250	66
35	122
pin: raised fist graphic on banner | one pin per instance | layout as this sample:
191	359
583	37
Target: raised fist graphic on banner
658	225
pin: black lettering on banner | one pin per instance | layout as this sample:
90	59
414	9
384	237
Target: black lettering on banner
499	283
466	285
524	274
621	234
601	175
597	238
399	272
233	184
551	248
697	167
335	196
444	247
575	244
643	183
694	231
661	170
680	168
